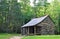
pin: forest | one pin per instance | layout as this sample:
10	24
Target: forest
16	13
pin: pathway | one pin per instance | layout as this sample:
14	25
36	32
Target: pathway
16	37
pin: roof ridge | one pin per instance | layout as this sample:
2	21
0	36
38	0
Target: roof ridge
41	16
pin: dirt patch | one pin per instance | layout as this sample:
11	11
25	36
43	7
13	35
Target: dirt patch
16	37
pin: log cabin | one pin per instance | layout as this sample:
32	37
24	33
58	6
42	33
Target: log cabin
39	26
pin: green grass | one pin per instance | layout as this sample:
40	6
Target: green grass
42	37
7	36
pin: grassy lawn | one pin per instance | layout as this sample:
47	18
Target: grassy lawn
7	36
42	37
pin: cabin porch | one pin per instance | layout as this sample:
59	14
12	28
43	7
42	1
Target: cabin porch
32	30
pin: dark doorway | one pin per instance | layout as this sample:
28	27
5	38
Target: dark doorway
31	30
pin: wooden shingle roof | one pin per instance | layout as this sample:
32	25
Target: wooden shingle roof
35	21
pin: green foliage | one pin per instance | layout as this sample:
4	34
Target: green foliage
56	12
10	16
27	12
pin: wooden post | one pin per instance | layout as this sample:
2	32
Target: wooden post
34	30
28	30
